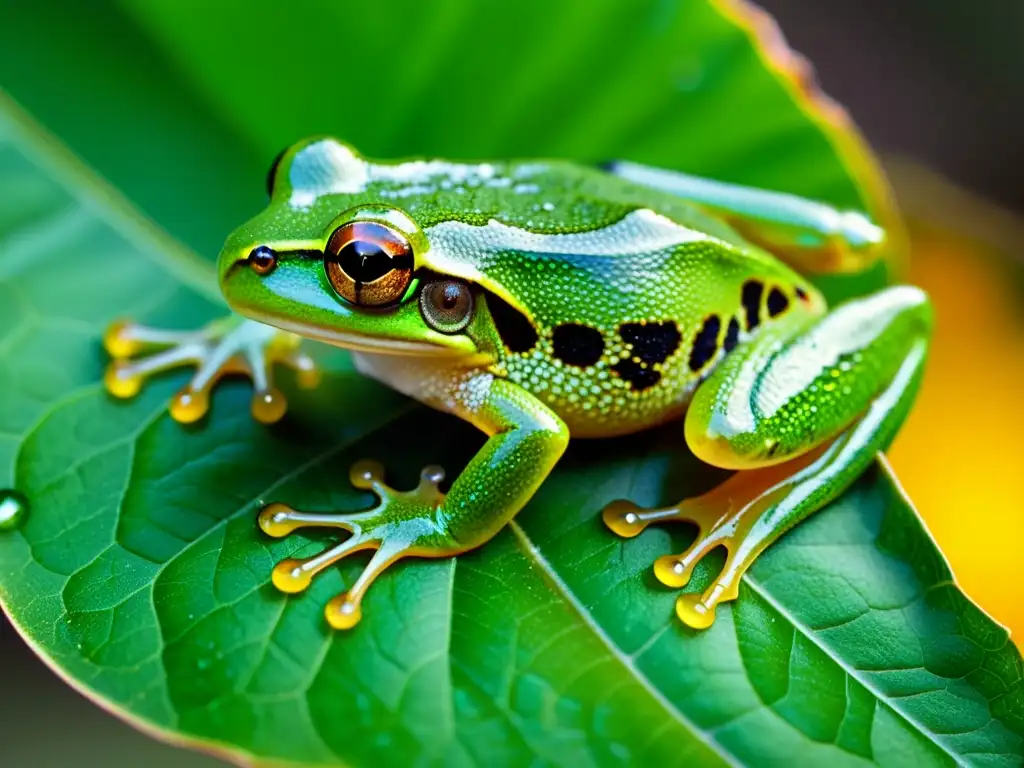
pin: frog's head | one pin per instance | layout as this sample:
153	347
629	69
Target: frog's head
333	258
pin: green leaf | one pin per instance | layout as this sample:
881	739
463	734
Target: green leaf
139	573
199	97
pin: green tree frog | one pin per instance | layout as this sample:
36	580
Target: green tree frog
545	299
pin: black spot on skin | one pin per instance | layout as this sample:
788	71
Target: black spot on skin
778	302
516	331
751	300
651	342
639	377
732	335
802	294
578	345
705	343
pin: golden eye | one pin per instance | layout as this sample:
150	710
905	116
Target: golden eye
368	264
447	305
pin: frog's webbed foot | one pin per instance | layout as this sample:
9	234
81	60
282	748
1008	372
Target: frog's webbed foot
222	348
730	516
401	524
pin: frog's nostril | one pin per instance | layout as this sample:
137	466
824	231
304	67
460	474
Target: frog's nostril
262	260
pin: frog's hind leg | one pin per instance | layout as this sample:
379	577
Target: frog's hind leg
804	411
812	236
224	347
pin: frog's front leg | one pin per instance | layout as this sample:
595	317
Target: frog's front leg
526	440
227	346
802	411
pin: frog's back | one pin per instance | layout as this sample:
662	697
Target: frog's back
626	315
612	300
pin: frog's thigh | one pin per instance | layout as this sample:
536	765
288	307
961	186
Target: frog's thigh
813	236
804	412
797	385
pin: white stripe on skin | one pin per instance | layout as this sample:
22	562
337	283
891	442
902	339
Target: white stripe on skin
329	168
849	328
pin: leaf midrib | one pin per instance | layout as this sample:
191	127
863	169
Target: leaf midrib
627	660
533	552
104	201
851	671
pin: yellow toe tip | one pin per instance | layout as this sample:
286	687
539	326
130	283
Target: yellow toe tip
120	382
623	519
118	340
275	520
365	473
694	613
672	572
189	406
268	407
289	576
342	613
307	375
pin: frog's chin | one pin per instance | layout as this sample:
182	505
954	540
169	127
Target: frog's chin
359	342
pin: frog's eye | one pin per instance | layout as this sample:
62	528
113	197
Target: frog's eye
368	264
447	305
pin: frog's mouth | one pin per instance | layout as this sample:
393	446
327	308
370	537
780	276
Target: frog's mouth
358	342
294	298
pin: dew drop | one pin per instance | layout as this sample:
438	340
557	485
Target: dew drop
13	510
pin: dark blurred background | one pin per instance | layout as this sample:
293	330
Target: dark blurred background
938	81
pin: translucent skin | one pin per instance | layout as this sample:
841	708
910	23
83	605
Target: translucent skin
603	302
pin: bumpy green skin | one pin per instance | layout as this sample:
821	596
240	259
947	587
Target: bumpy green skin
605	302
620	281
801	382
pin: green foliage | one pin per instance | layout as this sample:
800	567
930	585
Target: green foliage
139	572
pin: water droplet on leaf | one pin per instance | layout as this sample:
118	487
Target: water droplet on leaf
13	509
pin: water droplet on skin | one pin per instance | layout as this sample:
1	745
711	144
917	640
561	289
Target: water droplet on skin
13	510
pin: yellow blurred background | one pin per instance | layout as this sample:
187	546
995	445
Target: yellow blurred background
960	455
